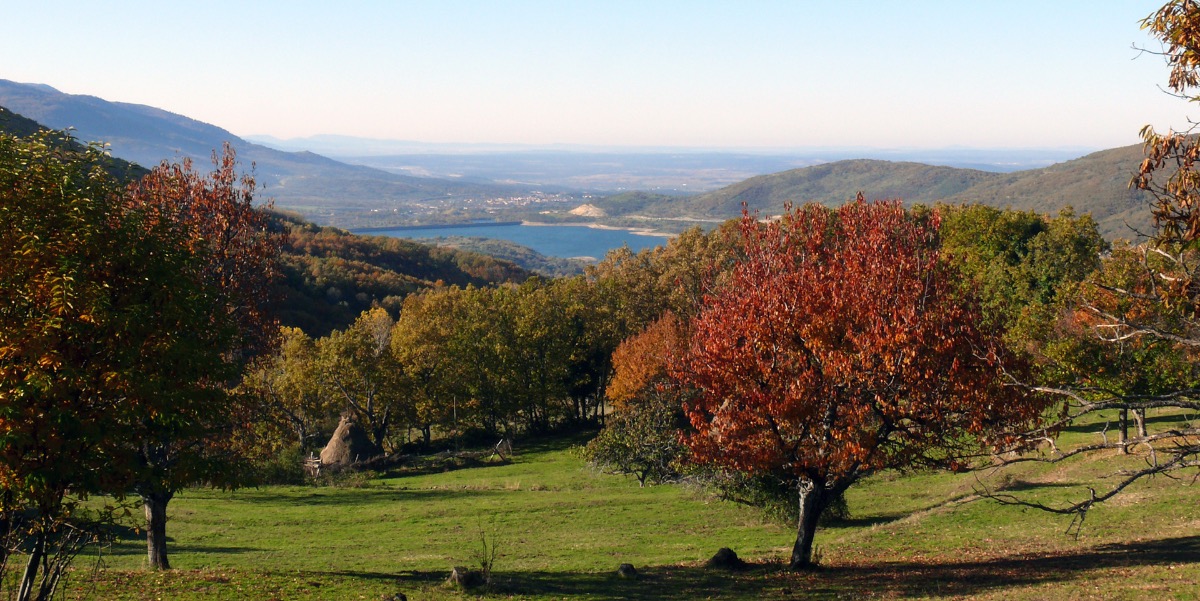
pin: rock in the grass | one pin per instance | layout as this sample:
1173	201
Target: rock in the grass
466	578
626	570
726	559
393	597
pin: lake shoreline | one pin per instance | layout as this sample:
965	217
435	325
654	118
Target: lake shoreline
639	231
550	239
431	226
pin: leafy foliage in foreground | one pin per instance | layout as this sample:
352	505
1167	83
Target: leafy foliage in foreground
125	314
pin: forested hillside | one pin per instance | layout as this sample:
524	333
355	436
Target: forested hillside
828	183
16	124
331	276
1097	183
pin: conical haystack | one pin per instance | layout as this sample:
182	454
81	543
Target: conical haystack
348	444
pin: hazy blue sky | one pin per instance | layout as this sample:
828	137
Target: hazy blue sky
1009	73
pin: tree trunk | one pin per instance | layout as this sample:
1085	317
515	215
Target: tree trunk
29	577
426	434
1139	417
1123	430
813	499
155	505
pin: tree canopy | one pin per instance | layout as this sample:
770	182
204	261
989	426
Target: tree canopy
839	347
125	316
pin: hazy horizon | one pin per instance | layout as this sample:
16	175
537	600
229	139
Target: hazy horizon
377	145
671	74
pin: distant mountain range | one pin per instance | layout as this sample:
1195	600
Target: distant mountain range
600	169
300	181
326	190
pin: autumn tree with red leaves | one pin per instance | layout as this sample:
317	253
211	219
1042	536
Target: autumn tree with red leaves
839	347
186	431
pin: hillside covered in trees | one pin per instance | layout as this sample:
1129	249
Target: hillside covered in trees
330	276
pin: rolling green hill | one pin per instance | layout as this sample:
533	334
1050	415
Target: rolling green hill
1096	183
834	183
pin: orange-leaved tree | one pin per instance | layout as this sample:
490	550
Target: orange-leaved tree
641	437
840	347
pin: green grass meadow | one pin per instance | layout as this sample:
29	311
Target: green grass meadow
561	529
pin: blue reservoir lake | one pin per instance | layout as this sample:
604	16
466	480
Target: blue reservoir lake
551	240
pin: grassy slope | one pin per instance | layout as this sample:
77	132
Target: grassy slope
562	530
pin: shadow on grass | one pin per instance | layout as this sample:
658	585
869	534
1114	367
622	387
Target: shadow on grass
1175	419
863	522
914	579
772	581
483	457
349	497
666	583
424	466
551	443
125	548
1024	486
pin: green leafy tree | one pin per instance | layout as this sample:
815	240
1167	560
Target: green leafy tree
1129	343
589	319
674	277
1020	263
482	337
424	345
357	367
644	436
123	311
70	265
291	393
